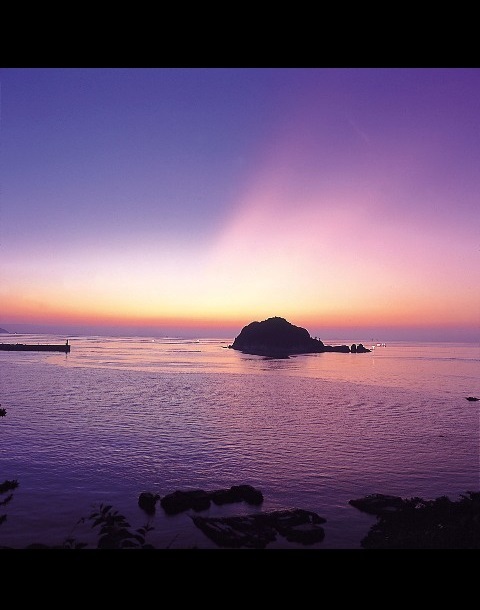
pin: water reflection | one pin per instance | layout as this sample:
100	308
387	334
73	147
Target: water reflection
119	415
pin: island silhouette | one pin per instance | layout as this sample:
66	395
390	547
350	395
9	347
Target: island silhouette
277	338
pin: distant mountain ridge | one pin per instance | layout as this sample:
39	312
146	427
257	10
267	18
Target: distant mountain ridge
2	330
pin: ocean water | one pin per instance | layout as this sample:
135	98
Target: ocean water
121	415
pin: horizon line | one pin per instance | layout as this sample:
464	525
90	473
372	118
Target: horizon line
225	331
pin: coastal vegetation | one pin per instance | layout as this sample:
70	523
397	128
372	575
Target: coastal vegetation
416	523
7	486
114	531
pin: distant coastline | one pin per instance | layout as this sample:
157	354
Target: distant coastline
346	335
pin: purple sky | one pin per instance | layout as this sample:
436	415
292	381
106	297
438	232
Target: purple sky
198	200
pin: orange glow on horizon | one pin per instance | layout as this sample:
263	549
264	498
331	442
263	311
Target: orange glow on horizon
327	207
343	319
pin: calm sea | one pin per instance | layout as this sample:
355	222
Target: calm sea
118	416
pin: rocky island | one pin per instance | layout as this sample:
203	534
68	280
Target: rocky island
278	338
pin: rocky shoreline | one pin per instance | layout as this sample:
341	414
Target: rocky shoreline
402	523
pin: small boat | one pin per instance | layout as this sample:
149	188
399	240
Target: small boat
32	347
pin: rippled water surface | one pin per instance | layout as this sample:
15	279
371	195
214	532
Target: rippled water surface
117	416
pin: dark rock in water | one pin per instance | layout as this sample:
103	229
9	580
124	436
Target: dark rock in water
258	530
198	499
297	525
147	501
248	494
377	504
223	496
337	348
361	349
277	338
472	398
8	486
237	493
179	501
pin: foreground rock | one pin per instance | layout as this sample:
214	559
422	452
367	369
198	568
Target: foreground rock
278	338
378	504
147	502
258	530
198	499
416	523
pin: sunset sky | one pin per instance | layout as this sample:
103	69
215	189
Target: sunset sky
194	201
